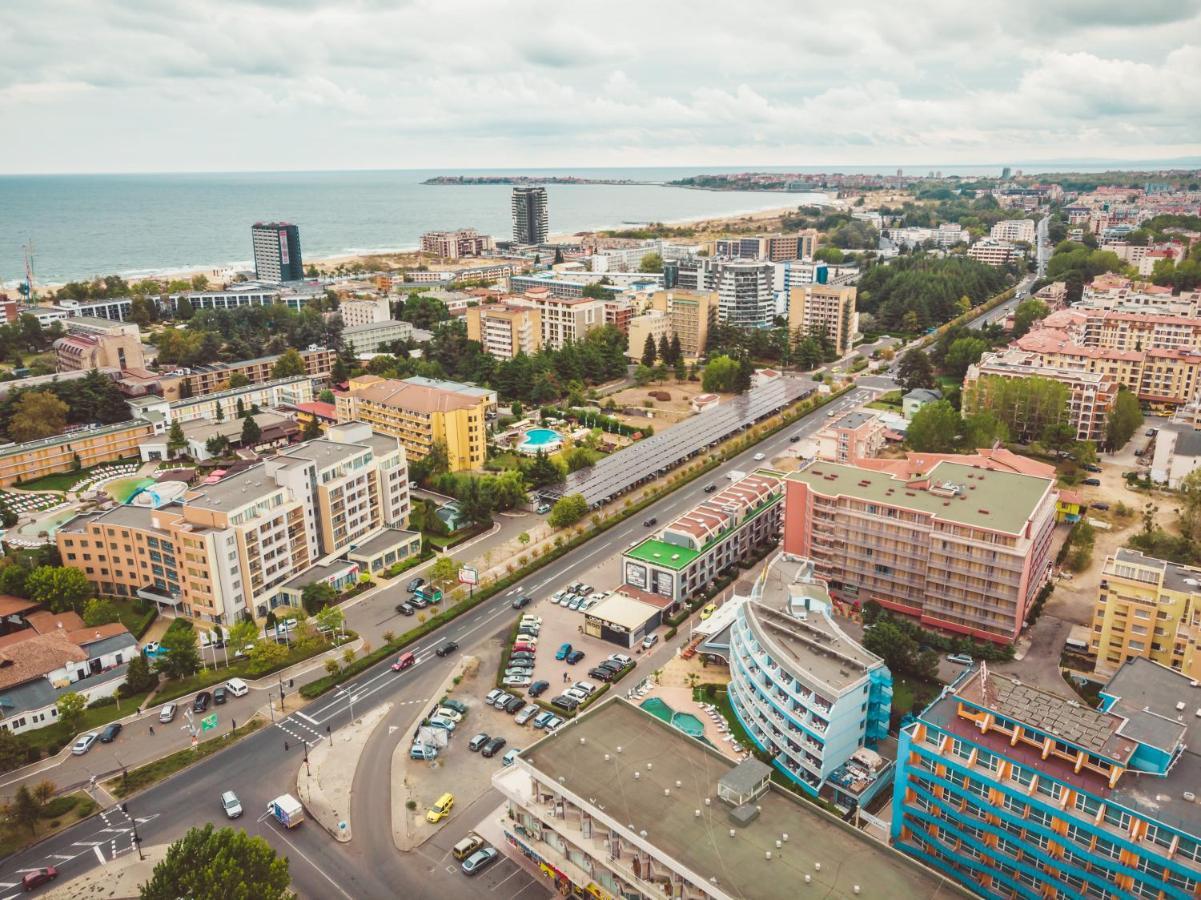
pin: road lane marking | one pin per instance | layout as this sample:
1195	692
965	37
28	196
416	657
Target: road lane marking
305	857
306	718
100	856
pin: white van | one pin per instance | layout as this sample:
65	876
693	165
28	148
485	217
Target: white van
237	687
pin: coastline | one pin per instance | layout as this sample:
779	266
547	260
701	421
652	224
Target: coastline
703	225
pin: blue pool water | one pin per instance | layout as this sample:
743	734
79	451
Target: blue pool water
538	437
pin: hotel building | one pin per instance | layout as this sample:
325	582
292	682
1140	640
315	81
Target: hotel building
562	319
618	803
200	381
1147	608
824	309
688	314
505	330
89	445
372	337
1013	230
805	692
959	546
420	416
93	343
529	215
770	247
364	311
1017	792
276	252
458	244
227	547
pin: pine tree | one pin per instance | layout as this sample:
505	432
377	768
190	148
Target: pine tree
677	351
664	350
251	433
648	352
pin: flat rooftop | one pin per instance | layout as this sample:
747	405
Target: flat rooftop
1176	577
385	540
668	759
234	491
969	495
661	553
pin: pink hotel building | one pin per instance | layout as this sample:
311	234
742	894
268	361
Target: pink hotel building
960	542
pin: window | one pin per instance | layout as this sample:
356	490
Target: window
1087	804
1050	788
1107	848
1117	817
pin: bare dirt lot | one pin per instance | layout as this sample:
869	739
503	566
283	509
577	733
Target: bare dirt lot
663	413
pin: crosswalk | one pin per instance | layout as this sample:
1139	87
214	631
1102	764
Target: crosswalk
300	730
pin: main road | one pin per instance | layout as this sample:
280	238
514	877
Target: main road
263	765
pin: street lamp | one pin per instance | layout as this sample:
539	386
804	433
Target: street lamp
350	698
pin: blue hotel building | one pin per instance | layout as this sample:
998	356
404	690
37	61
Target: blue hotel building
1018	792
806	692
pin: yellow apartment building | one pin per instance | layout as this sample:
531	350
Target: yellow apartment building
815	308
1148	608
91	445
504	331
420	415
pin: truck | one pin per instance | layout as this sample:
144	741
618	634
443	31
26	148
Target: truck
287	810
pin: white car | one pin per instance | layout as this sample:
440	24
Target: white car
528	712
759	457
532	620
517	681
446	712
237	687
231	804
84	744
492	695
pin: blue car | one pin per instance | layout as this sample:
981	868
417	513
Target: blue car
562	652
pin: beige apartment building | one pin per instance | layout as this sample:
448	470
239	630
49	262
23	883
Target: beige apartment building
420	415
364	311
504	330
817	308
857	435
89	446
688	314
200	381
94	343
463	242
992	253
562	319
228	547
958	546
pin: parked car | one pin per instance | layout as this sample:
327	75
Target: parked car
553	722
448	648
418	602
649	641
478	741
38	877
84	744
574	657
531	619
527	655
513	704
231	804
621	658
1101	506
447	713
576	694
492	695
467	846
1089	467
538	688
527	712
709	609
441	809
517	681
562	652
710	488
166	713
501	699
651	522
794	438
404	661
510	756
414	584
961	659
493	747
439	722
423	751
202	701
601	674
565	702
557	596
542	718
584	589
480	860
1092	482
457	705
406	609
521	602
219	695
110	732
575	603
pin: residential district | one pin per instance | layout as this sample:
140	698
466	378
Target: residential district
855	551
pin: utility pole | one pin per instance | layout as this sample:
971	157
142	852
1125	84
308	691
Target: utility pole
137	838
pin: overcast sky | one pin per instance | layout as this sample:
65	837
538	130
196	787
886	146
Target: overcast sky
204	85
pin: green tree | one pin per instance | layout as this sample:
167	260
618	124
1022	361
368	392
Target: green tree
567	511
721	375
331	619
138	677
1025	405
60	587
251	433
217	445
651	262
1058	436
444	570
543	471
180	655
316	596
664	350
37	414
183	309
100	611
1123	420
935	428
983	429
243	635
237	380
963	352
219	864
890	643
1027	313
677	350
648	351
71	706
643	375
175	439
12	751
25	809
289	364
915	371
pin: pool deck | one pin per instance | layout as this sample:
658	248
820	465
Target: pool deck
680	700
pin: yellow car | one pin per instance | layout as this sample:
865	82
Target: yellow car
441	809
708	610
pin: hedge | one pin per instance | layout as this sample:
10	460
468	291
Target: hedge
410	563
482	594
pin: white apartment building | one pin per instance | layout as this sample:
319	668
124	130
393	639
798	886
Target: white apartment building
372	336
223	404
562	319
366	311
1014	230
993	252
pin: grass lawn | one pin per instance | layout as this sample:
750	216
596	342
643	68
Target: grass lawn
946	384
908	695
59	813
503	461
54	737
136	615
63	481
152	773
890	401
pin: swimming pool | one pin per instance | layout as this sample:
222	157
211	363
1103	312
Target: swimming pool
545	439
686	722
123	489
48	525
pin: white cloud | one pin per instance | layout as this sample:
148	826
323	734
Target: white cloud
249	84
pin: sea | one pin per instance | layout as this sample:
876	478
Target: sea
81	226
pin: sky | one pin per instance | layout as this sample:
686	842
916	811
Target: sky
248	85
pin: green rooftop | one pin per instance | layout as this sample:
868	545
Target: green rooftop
661	553
969	495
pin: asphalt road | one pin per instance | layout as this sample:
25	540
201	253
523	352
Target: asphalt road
262	766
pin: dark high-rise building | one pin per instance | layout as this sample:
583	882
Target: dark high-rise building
276	252
529	215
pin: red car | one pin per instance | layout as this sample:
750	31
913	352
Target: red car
521	646
403	662
37	879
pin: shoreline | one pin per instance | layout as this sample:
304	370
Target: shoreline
352	255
